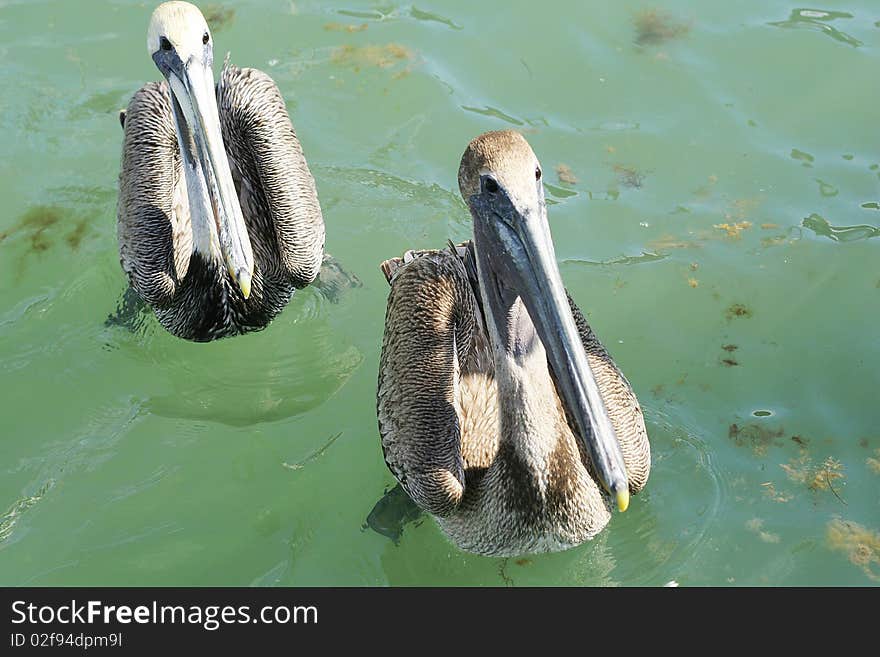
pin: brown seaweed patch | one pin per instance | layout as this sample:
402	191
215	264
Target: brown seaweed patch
565	174
628	176
860	545
737	310
733	230
756	436
342	27
729	348
35	224
75	237
667	242
218	17
372	56
802	470
654	26
730	362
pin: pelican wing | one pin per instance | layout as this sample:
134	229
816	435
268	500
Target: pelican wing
276	189
621	402
429	325
152	214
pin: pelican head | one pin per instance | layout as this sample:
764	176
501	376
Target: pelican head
180	44
500	179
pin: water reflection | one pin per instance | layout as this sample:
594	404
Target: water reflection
285	372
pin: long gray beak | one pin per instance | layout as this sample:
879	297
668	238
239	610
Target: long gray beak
522	256
193	87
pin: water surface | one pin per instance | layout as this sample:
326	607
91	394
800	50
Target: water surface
713	176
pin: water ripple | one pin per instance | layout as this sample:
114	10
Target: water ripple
816	19
819	225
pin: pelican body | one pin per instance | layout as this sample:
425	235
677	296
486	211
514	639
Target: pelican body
500	412
218	218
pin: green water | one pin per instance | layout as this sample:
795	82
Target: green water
136	458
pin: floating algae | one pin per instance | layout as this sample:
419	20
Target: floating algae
218	17
758	437
654	26
860	544
737	310
815	477
565	174
372	56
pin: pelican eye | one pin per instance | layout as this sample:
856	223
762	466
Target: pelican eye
164	43
490	185
205	38
537	173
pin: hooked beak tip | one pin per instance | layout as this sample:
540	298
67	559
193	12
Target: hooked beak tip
623	500
244	282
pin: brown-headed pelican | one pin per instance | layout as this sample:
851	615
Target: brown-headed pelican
500	412
218	218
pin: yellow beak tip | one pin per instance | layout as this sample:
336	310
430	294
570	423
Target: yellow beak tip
623	500
244	283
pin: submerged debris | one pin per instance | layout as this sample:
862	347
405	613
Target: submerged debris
758	437
629	176
693	282
860	544
737	310
729	348
730	362
654	26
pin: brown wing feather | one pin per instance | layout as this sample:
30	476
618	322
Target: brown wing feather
428	327
276	187
152	216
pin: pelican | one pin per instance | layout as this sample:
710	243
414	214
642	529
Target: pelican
500	412
218	217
